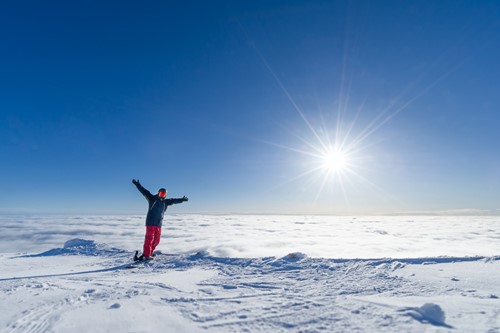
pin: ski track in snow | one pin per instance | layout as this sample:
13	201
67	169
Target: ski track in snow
213	294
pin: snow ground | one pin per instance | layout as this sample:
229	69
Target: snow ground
85	285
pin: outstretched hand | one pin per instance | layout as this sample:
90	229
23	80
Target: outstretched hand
135	181
184	198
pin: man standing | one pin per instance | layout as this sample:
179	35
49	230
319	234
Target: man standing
158	204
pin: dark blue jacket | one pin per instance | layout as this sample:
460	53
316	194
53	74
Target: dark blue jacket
157	206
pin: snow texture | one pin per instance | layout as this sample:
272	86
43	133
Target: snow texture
91	285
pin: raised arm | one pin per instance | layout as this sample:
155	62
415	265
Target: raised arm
141	189
177	200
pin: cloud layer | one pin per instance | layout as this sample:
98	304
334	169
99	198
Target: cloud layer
265	235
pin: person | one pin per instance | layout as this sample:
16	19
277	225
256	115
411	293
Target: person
158	204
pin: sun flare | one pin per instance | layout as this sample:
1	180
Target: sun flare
334	161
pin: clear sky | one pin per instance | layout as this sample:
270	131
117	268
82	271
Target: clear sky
340	107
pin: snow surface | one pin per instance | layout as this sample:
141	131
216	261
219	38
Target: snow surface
233	273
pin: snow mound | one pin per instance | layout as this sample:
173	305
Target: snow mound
83	247
295	256
432	313
79	243
428	313
202	254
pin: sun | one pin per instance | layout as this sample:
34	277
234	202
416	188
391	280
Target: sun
334	161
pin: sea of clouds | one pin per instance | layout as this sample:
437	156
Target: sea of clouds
265	235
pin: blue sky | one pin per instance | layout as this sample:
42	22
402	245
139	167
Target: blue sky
226	102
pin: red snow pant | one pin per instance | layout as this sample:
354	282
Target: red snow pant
151	241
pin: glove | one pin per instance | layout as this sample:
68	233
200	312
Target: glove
184	198
135	181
